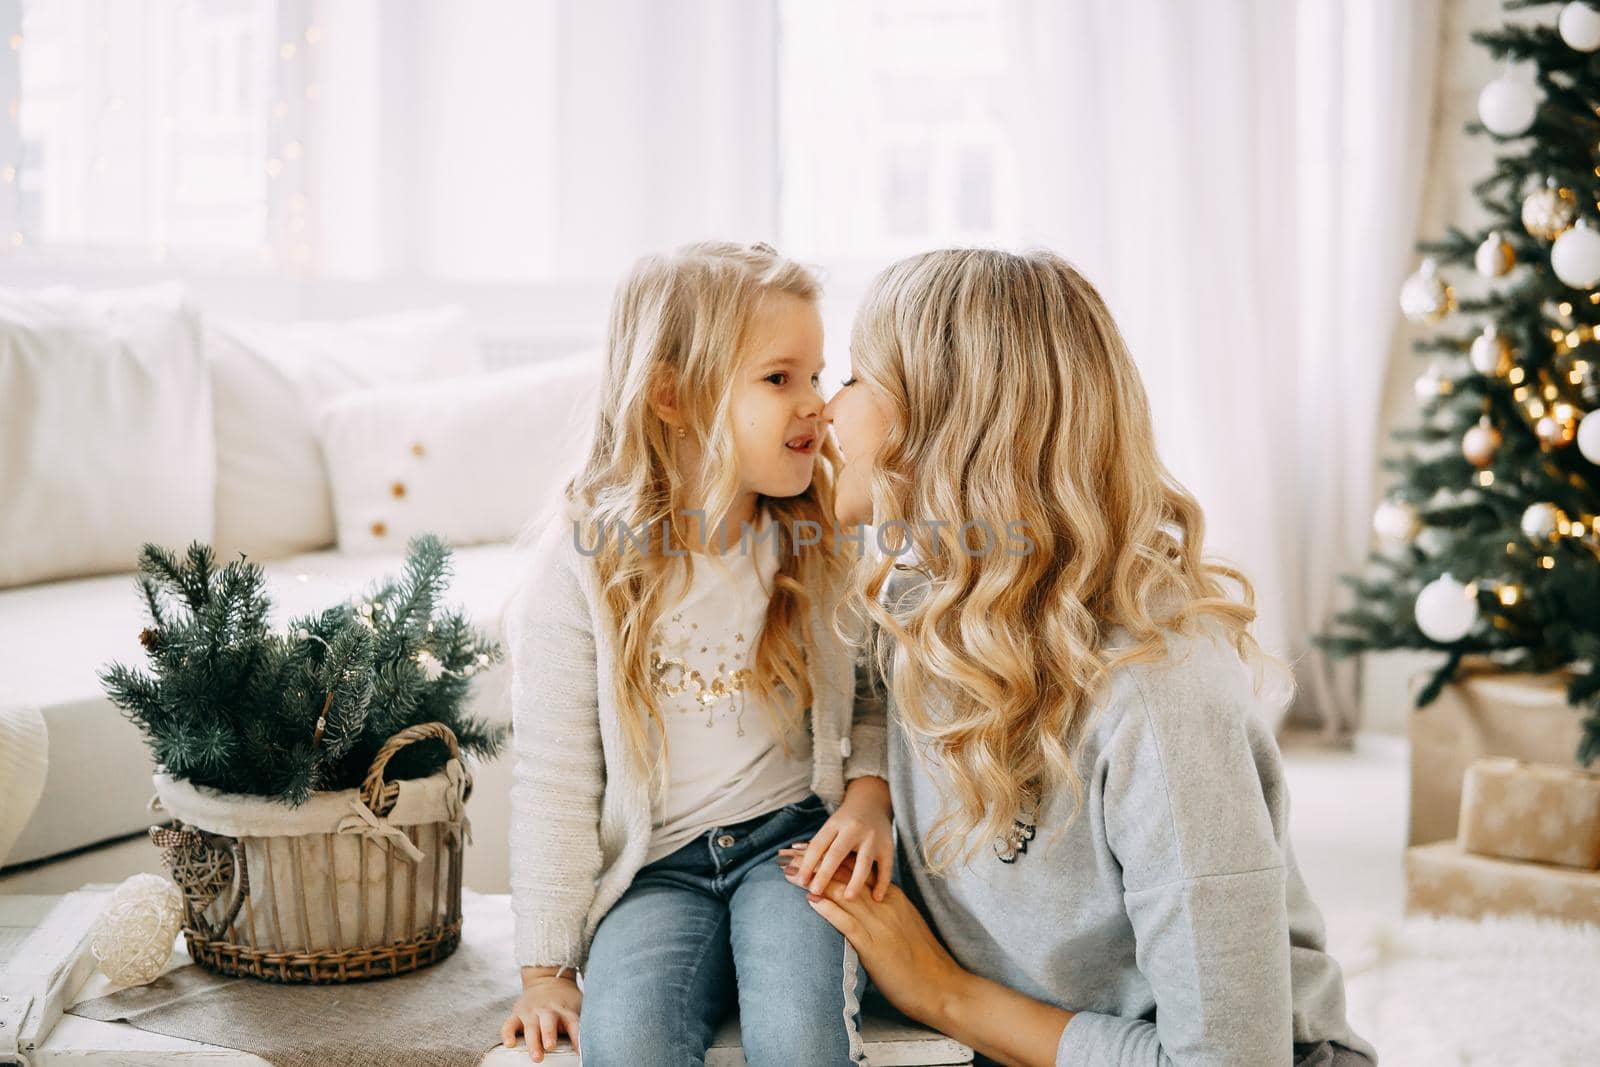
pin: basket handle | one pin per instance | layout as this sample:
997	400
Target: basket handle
372	786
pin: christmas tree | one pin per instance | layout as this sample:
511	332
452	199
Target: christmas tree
1490	544
231	704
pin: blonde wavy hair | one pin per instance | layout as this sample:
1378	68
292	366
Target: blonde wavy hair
1014	398
680	320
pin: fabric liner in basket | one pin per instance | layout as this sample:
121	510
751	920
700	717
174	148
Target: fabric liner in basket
354	883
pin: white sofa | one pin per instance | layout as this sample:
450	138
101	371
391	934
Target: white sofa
413	378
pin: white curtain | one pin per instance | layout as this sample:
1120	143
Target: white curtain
1242	180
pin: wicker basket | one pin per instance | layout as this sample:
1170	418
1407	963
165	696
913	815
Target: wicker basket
360	883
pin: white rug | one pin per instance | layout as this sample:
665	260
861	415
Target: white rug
1504	990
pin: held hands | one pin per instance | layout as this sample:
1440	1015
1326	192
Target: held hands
548	1005
900	952
859	830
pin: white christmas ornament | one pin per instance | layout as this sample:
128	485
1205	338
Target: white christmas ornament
132	940
1426	297
1542	522
1589	437
1575	257
1396	520
1495	256
1580	27
1491	353
1507	106
1446	610
1547	212
1431	383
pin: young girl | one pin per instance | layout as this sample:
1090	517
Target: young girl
1091	812
682	708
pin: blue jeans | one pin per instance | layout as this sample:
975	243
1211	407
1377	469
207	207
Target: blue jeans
712	925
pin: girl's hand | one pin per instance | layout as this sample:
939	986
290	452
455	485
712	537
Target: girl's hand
547	1006
901	954
860	827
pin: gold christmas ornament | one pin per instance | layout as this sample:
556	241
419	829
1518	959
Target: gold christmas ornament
1491	353
1543	522
1548	212
1495	256
1480	443
1425	298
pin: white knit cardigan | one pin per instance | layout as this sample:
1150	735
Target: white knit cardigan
580	813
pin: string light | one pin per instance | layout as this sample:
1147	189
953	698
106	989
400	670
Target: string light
1547	562
1486	478
1510	594
1516	376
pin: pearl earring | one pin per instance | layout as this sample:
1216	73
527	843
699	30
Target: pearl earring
682	432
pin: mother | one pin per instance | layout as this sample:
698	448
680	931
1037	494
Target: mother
1090	811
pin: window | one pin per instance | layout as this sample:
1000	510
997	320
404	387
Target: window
894	127
160	145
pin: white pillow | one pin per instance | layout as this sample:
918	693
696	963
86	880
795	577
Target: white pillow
271	379
105	430
471	460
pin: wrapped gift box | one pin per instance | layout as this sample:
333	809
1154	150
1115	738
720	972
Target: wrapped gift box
1484	712
1516	810
1443	880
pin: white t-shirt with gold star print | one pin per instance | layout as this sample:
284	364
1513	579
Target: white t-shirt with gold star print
725	762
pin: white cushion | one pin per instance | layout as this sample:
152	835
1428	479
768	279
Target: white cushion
105	429
270	380
470	460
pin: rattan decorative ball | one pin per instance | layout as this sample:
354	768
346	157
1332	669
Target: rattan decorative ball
133	938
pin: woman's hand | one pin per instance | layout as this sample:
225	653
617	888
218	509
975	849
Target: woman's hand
915	972
901	954
547	1006
860	827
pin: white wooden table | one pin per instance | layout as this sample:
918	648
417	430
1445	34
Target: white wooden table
80	1042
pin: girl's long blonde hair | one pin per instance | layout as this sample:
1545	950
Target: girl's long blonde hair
1015	400
680	320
